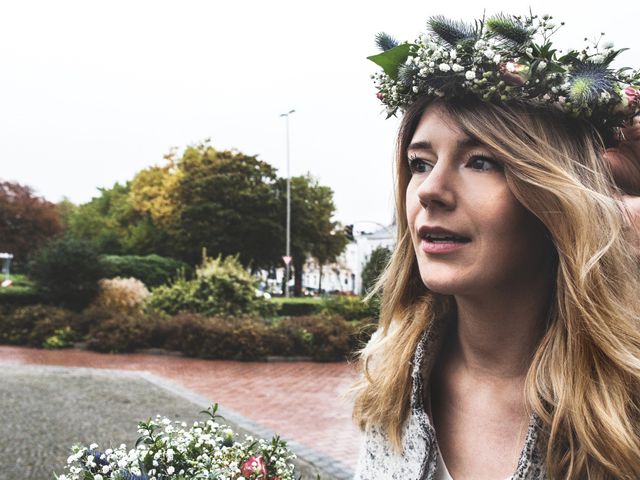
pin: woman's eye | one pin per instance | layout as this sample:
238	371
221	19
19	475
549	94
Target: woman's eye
417	165
482	163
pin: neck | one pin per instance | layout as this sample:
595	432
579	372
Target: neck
496	336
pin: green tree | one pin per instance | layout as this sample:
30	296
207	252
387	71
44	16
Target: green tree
313	233
226	202
114	226
152	189
374	267
66	209
26	221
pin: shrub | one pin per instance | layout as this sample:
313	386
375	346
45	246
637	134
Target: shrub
126	294
289	338
67	271
89	318
215	337
152	270
324	338
61	338
296	308
222	287
349	307
33	325
20	297
122	332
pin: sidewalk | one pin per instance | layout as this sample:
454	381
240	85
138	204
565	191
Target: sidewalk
302	401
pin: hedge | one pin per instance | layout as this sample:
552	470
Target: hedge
152	270
320	337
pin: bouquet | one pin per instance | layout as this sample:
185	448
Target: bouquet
170	450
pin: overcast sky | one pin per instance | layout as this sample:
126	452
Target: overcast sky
92	92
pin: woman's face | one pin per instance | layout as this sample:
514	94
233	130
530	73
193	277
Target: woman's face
469	232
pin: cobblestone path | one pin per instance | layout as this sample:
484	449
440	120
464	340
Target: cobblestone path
303	401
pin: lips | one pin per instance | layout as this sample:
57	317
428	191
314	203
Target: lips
438	240
441	235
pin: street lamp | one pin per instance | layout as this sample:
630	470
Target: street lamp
287	258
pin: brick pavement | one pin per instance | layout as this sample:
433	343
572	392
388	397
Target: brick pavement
305	402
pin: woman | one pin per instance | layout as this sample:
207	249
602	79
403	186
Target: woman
509	344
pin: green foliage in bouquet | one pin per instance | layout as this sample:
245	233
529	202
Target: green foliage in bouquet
221	287
173	451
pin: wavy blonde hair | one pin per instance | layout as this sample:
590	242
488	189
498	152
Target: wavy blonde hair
584	380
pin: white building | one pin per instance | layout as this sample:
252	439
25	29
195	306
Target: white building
345	274
358	252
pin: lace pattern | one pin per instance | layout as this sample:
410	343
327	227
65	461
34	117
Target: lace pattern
417	461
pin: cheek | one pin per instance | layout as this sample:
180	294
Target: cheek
412	206
518	234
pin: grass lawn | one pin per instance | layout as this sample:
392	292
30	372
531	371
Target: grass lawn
309	300
21	284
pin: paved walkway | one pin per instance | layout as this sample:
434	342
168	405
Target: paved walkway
305	402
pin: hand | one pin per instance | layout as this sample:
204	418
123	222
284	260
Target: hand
632	207
625	159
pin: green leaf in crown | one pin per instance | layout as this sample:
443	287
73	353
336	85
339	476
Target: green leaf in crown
391	60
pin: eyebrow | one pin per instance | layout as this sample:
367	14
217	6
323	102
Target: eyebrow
468	142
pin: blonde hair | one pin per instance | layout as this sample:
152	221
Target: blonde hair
584	380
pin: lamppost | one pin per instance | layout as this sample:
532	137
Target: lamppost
287	258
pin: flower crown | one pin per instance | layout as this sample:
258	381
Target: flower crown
504	58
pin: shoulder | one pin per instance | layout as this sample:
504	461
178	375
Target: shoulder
379	460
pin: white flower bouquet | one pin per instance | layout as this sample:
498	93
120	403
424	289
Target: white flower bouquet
170	450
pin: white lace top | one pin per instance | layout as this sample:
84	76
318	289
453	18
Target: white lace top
419	457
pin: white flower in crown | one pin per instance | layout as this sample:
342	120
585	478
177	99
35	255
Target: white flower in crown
489	53
444	67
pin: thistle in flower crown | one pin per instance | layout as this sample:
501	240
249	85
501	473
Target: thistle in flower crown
507	58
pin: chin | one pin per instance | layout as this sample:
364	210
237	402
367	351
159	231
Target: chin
441	285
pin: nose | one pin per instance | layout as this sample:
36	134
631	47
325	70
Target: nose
437	188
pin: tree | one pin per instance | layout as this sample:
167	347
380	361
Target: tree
26	220
313	233
374	267
226	202
151	191
112	224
